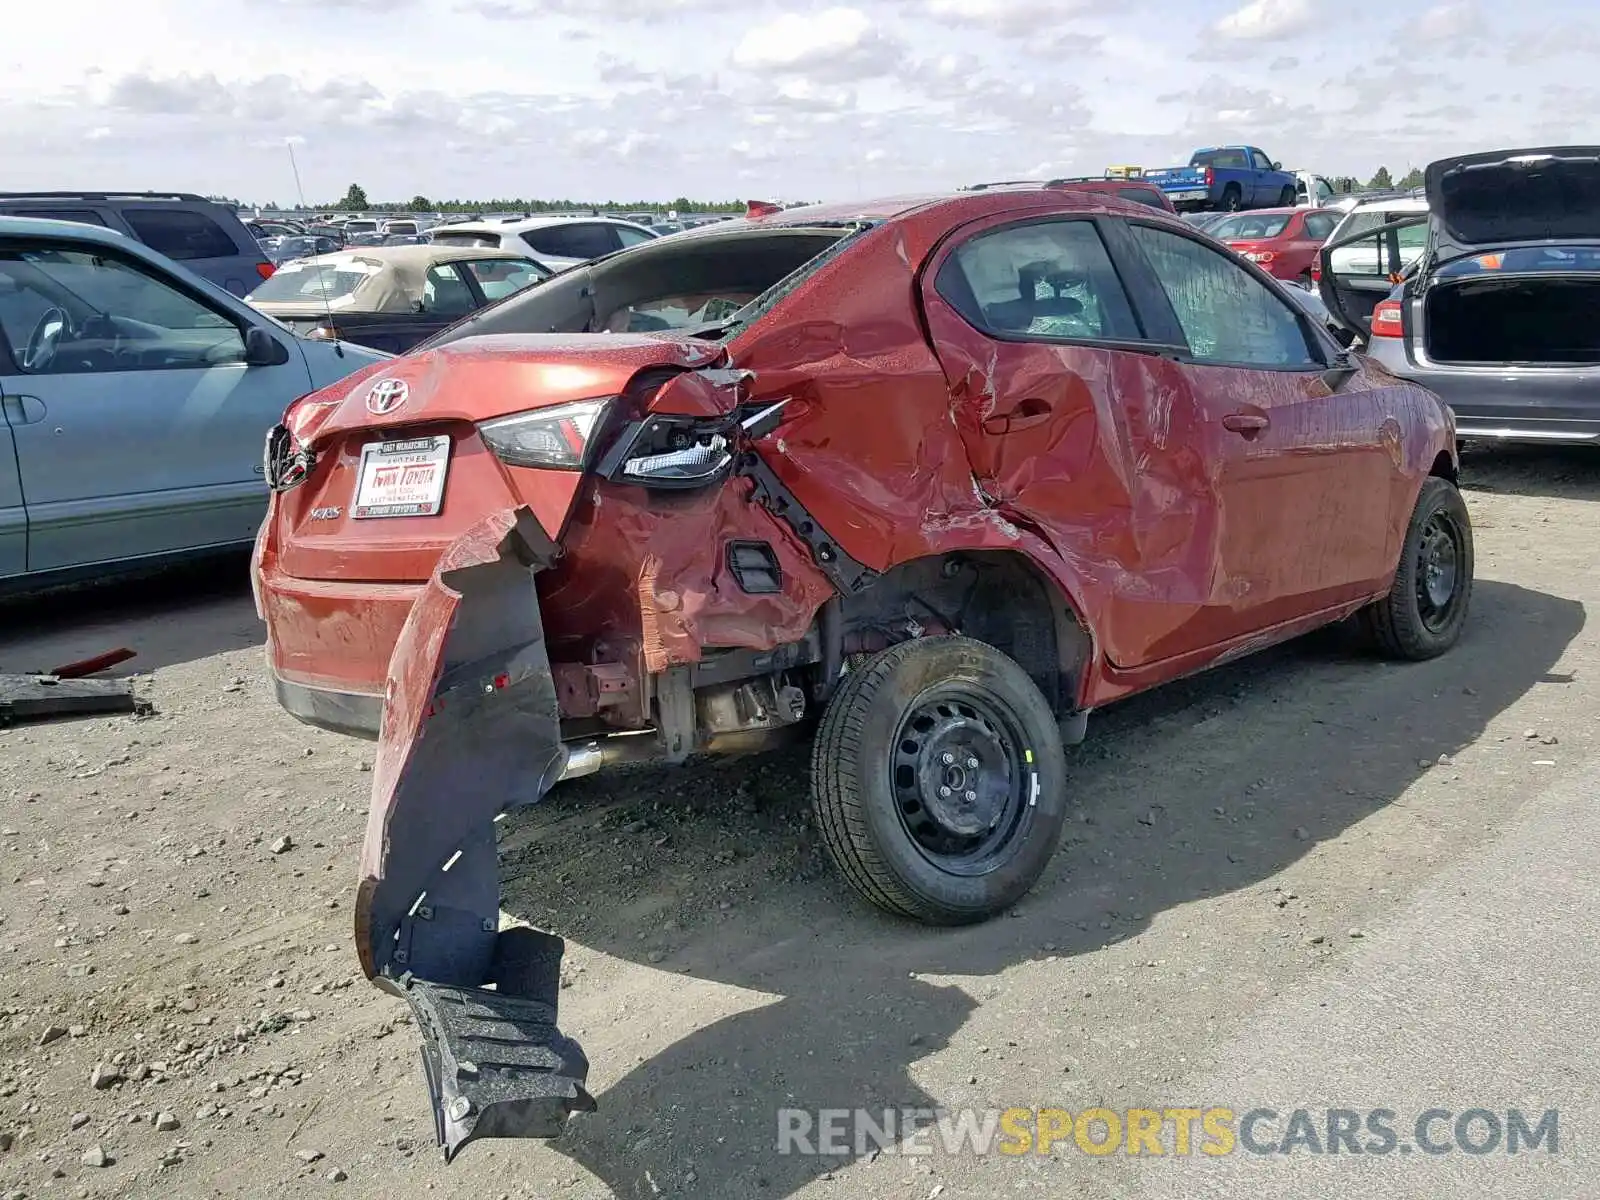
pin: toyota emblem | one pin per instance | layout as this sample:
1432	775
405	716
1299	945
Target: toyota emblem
386	396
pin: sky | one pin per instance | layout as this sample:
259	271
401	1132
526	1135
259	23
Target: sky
723	99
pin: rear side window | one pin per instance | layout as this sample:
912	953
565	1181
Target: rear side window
1227	315
1049	279
581	239
179	233
1319	226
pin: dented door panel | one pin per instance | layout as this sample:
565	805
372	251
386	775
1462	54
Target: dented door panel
1114	473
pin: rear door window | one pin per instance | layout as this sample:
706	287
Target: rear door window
580	239
1049	279
1226	314
180	233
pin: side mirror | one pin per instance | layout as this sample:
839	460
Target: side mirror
261	349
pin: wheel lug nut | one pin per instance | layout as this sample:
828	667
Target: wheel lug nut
947	758
972	764
971	796
944	793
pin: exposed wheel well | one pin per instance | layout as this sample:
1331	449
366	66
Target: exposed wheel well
995	596
1444	467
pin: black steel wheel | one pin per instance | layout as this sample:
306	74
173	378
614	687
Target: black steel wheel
938	780
1426	608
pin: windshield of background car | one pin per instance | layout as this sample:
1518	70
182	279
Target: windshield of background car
317	281
1221	159
1248	228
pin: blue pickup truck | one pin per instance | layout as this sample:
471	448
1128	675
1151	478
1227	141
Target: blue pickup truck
1227	178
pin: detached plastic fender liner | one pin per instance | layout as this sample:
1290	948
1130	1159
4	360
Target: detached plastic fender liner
471	727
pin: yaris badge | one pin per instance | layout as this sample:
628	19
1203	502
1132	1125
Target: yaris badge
386	396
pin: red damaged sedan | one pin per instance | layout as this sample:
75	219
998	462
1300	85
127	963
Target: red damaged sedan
1283	241
933	478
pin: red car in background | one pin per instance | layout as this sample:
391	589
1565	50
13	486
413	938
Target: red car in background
1282	241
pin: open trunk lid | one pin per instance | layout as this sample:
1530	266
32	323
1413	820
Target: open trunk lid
1504	196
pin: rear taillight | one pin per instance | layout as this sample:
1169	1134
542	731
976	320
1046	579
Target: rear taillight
1260	256
265	269
1316	271
556	438
1210	177
1388	319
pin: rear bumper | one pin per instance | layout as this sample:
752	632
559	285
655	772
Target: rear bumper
1551	405
329	643
353	713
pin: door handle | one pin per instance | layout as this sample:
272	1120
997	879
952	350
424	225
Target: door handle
23	410
1247	425
1025	415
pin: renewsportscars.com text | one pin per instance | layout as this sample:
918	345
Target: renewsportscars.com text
1209	1131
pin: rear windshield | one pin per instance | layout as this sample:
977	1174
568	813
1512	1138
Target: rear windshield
1143	196
1248	227
487	241
1222	159
317	282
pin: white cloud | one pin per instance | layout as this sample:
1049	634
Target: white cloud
1266	21
636	98
836	43
1455	19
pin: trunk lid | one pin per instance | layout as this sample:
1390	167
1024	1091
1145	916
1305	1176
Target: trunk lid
495	375
446	393
1504	196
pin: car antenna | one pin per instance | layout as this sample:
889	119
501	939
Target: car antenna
322	288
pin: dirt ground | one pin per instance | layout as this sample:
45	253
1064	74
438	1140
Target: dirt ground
182	1002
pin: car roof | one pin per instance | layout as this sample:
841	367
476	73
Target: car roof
401	277
1393	203
11	226
516	225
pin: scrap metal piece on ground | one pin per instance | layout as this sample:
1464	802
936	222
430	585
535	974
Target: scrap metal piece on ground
93	666
35	697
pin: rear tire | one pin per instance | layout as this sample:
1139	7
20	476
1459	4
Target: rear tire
938	780
1423	614
1232	198
1286	198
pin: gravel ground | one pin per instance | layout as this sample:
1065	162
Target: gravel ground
181	1013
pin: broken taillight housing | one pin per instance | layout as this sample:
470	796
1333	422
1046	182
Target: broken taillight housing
671	452
557	438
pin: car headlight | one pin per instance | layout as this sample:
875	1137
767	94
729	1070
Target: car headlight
557	438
